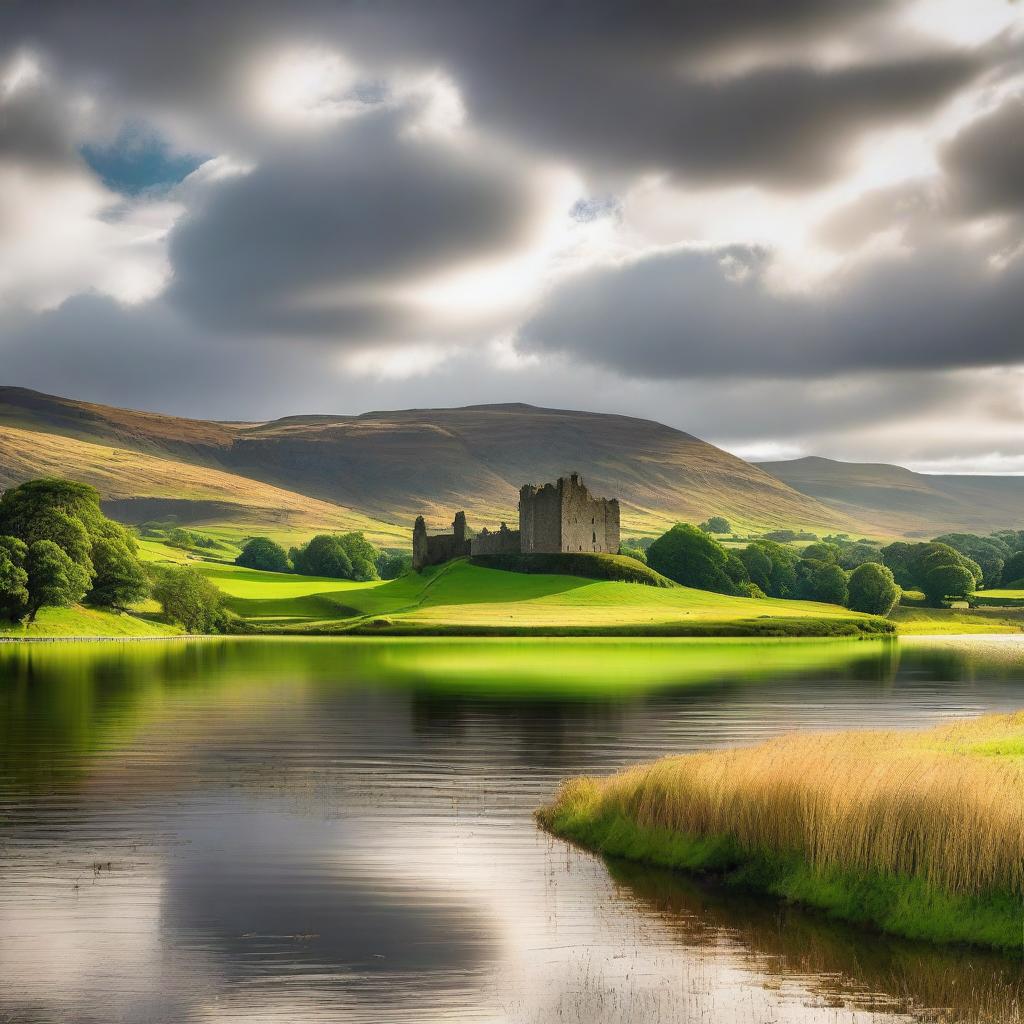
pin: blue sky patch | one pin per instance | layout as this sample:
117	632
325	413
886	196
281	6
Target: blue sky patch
139	160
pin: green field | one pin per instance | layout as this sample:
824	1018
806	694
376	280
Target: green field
83	622
917	833
462	598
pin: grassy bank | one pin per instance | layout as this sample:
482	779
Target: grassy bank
469	600
917	833
86	622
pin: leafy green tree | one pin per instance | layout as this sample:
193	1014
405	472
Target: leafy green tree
821	551
347	556
990	553
852	555
898	558
947	581
24	509
324	555
872	588
716	524
13	579
1013	570
263	553
737	571
758	564
829	584
392	564
54	579
689	556
188	599
120	579
780	579
932	556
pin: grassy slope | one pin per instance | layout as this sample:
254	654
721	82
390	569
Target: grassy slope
459	597
392	466
86	622
899	501
920	834
216	496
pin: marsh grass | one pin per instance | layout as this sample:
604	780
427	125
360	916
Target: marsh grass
920	833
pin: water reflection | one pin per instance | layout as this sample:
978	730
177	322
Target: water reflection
325	830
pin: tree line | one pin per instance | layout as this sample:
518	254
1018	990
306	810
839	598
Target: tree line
58	549
342	556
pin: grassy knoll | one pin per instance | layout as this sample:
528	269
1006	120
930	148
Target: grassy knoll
459	598
917	833
915	620
1001	597
86	622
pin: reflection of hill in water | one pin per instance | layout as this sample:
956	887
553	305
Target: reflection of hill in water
841	964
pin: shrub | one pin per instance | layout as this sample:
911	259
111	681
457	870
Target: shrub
690	557
188	599
716	524
263	553
638	553
871	588
392	564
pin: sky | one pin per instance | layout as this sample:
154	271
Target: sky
789	227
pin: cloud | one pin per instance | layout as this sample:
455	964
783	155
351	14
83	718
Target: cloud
986	161
324	234
692	313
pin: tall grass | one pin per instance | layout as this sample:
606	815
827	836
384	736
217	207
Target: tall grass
943	809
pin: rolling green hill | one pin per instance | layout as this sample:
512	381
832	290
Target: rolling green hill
388	467
899	501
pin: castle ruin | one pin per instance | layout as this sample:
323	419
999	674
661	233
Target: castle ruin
553	518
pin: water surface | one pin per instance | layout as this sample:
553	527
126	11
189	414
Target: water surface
339	830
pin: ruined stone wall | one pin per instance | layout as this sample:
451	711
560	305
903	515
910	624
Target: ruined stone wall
540	518
500	542
588	523
441	547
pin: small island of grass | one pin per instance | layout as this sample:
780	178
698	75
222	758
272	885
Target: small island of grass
920	834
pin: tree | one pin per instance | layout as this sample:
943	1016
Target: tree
828	584
820	551
322	556
263	553
190	600
54	579
392	564
872	588
948	582
990	553
852	555
347	556
22	508
690	557
13	579
778	577
1013	570
716	524
120	579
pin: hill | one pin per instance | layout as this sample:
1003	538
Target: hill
899	501
387	467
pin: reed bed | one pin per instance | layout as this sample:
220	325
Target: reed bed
942	808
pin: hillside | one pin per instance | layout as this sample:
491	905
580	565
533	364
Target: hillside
900	501
390	466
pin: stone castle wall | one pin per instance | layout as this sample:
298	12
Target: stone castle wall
433	549
566	517
499	542
553	518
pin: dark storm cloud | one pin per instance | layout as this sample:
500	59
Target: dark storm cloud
690	313
364	205
986	161
608	84
36	128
